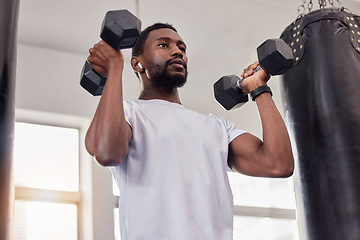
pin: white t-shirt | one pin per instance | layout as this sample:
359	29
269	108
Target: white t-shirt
173	182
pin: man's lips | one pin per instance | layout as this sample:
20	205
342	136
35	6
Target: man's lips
178	63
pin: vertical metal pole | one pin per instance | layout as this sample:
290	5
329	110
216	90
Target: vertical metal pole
8	18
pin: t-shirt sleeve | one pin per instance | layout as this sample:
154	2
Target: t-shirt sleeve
127	112
232	133
230	127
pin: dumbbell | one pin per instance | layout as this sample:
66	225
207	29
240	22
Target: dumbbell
120	29
274	56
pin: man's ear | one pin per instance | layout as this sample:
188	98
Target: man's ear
137	65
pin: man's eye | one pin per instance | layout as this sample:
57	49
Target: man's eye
182	49
163	45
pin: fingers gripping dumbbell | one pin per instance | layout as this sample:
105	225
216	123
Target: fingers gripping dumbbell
120	29
274	56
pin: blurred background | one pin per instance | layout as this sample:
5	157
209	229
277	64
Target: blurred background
61	192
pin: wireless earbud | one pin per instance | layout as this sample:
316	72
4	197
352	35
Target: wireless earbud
140	65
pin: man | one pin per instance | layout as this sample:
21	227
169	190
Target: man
170	162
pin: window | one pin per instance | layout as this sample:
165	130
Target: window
36	220
44	155
48	183
264	228
264	208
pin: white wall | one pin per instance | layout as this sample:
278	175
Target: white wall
48	80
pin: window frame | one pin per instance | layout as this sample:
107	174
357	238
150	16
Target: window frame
83	197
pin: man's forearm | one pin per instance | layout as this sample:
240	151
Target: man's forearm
276	141
108	135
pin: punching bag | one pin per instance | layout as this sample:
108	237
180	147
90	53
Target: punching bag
322	110
8	27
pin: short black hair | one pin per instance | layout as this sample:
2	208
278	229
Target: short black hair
138	48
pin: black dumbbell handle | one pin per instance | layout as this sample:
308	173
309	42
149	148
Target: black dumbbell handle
238	82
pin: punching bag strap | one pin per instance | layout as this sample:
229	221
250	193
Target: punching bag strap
293	33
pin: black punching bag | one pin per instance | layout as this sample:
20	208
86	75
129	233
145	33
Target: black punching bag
322	110
8	27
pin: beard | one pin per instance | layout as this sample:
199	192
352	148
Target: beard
160	76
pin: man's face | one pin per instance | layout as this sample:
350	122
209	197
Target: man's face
165	53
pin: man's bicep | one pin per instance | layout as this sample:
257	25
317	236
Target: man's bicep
245	154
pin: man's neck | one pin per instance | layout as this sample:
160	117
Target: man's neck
170	95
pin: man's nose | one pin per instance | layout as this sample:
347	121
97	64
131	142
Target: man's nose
176	51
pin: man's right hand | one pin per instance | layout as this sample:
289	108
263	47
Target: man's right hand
253	79
103	57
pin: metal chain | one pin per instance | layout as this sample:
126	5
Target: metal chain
302	9
310	6
322	3
341	6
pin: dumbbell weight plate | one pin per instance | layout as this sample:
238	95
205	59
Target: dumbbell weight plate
228	94
91	81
